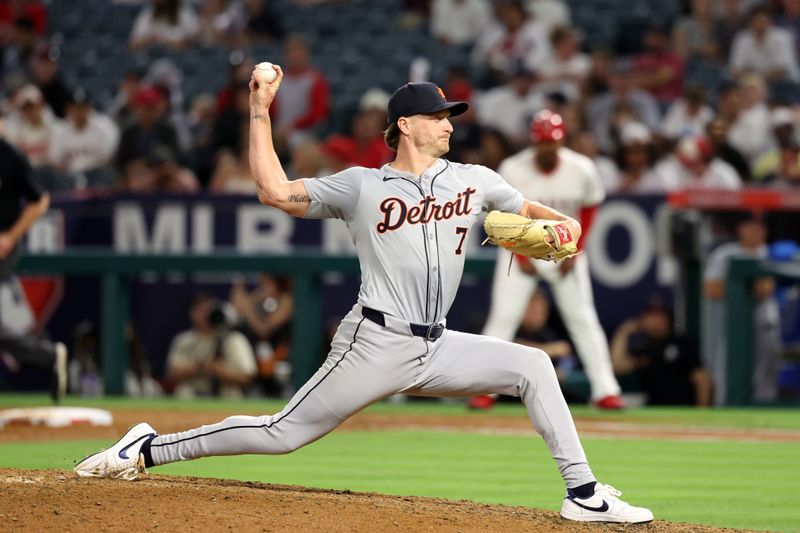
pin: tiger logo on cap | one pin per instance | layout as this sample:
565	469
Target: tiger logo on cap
441	93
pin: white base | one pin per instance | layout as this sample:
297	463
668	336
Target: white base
55	417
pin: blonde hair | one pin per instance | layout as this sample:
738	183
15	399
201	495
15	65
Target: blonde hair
391	136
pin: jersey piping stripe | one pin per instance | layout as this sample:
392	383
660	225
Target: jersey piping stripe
437	306
424	240
267	426
428	271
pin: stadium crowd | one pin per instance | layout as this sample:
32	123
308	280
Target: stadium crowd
646	127
629	105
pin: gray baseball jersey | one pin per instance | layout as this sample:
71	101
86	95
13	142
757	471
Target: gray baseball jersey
409	233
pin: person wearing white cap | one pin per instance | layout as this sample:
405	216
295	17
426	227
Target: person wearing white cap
367	129
30	125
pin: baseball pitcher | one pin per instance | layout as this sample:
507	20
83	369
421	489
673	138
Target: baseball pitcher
409	221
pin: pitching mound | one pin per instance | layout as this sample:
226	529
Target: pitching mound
45	500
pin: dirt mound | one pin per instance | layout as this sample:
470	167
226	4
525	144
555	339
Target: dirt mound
44	500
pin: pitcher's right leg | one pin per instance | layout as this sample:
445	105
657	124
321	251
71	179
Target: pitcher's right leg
366	363
357	373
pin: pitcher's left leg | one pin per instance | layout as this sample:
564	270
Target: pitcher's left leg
463	364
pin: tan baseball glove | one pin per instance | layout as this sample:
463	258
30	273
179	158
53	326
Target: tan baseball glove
527	237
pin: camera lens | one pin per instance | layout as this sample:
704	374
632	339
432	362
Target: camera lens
216	317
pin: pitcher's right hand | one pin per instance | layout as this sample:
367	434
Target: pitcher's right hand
262	92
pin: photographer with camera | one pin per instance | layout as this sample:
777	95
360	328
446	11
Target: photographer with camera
210	359
266	319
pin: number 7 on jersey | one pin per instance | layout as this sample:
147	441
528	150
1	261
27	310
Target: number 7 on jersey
461	230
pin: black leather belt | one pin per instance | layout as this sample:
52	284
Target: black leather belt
429	332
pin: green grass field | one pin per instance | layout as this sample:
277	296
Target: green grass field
730	484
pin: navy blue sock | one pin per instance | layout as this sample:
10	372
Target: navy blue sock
145	450
582	492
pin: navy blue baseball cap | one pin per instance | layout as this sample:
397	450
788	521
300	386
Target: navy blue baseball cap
421	98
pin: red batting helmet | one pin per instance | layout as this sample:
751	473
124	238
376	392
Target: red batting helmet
693	149
547	126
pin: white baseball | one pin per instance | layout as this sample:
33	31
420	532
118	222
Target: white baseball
270	72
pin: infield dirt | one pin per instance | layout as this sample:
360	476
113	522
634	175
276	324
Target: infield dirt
48	500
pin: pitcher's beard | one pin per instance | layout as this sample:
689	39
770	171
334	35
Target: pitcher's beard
442	149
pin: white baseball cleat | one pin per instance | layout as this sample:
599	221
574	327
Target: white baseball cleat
120	461
603	506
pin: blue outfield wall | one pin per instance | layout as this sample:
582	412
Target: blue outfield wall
627	251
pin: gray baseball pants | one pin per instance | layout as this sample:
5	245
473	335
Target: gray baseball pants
368	363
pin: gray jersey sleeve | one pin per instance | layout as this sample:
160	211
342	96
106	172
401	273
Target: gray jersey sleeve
334	196
716	267
498	193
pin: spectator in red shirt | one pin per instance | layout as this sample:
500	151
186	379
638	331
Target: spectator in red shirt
364	146
304	102
148	130
368	126
658	69
230	130
11	10
339	153
122	107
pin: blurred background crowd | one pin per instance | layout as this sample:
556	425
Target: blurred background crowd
152	95
149	96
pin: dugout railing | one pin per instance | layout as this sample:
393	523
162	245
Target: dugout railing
740	303
307	268
739	299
